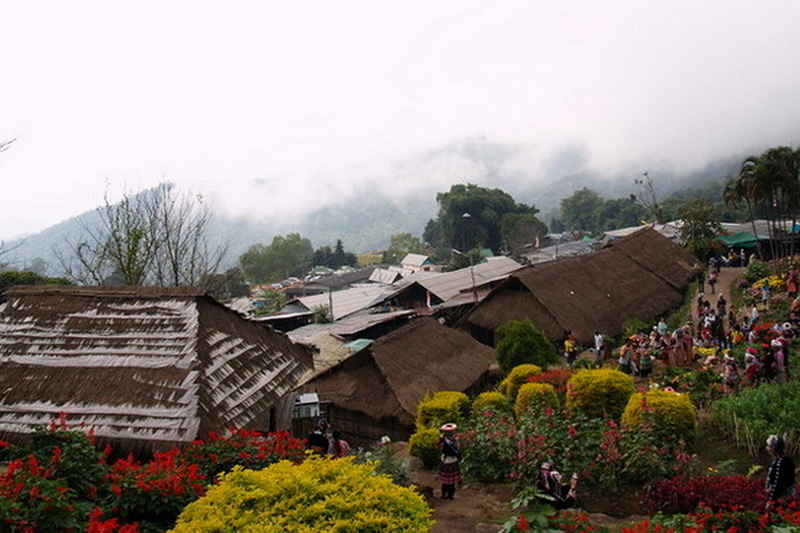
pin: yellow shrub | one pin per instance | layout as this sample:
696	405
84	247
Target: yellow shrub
441	408
670	412
535	396
317	495
598	392
424	443
518	375
495	401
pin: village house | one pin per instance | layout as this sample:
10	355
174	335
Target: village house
145	368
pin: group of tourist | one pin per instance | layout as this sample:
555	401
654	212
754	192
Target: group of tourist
320	443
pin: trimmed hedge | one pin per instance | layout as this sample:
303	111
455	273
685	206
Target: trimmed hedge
424	443
671	413
491	401
600	392
441	408
535	396
318	495
516	378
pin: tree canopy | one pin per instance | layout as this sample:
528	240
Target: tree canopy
155	237
284	257
471	217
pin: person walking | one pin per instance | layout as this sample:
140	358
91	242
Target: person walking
449	467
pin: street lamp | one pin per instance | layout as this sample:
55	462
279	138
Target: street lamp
471	274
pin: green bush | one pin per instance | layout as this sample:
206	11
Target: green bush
600	392
424	443
491	401
317	495
441	408
670	413
524	343
516	378
535	396
753	414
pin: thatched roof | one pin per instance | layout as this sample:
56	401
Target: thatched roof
636	277
390	377
146	367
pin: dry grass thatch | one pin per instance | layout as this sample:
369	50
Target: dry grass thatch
637	277
390	377
145	367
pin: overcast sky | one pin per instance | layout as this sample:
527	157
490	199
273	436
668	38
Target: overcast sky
280	107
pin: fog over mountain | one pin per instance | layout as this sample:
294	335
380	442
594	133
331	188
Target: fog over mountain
366	219
288	112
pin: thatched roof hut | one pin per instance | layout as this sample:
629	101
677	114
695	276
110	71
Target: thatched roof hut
376	391
636	277
145	367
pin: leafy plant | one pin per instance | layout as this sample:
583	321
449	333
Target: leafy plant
518	376
317	495
441	408
424	443
494	401
523	343
601	392
670	413
535	396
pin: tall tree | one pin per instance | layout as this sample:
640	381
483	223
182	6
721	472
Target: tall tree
400	245
647	197
521	232
470	217
578	211
700	227
284	257
155	237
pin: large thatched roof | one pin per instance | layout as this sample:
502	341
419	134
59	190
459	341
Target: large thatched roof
388	379
145	367
636	277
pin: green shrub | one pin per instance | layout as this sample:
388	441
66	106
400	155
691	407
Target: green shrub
753	414
317	495
491	401
424	443
523	343
441	408
600	392
516	378
535	396
670	413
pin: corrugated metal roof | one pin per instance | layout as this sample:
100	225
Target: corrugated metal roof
447	285
416	260
348	301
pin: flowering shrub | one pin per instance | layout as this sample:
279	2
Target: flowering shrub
753	414
684	495
535	396
489	446
384	460
317	495
703	385
249	449
556	377
441	408
783	519
756	269
69	453
599	392
58	481
495	401
514	380
776	283
154	493
530	514
670	413
32	500
424	443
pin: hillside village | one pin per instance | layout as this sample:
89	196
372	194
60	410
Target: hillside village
153	370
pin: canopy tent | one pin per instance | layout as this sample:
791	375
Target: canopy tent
744	239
